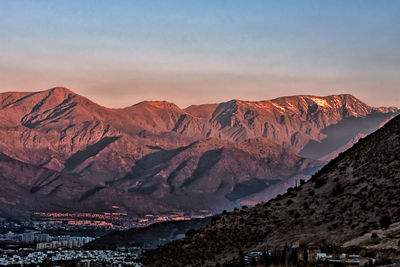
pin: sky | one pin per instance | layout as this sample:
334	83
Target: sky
118	53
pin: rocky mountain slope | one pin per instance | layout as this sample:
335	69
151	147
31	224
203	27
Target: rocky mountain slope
215	174
61	130
289	121
25	188
201	153
355	193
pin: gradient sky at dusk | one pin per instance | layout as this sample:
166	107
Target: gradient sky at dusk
118	53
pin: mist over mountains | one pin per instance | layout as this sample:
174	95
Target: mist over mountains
160	157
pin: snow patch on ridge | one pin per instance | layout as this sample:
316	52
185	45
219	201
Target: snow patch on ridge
321	102
278	106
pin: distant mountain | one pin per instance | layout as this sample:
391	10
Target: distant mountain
214	155
354	195
25	188
215	174
289	121
61	130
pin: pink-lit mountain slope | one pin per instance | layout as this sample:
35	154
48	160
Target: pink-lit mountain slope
216	155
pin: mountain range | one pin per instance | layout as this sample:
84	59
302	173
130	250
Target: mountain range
76	154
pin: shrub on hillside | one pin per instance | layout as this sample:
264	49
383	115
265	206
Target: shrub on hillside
337	190
385	221
319	182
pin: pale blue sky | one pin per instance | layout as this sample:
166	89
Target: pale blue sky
121	52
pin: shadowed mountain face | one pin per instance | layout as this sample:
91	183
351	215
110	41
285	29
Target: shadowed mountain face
215	155
226	173
341	133
346	199
25	188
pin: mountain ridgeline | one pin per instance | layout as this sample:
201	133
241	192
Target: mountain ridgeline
352	195
213	156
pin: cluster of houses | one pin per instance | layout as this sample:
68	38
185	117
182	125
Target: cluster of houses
107	220
345	259
65	242
45	241
26	237
78	257
296	254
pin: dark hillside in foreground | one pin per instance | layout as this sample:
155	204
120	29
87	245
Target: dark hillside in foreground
352	195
